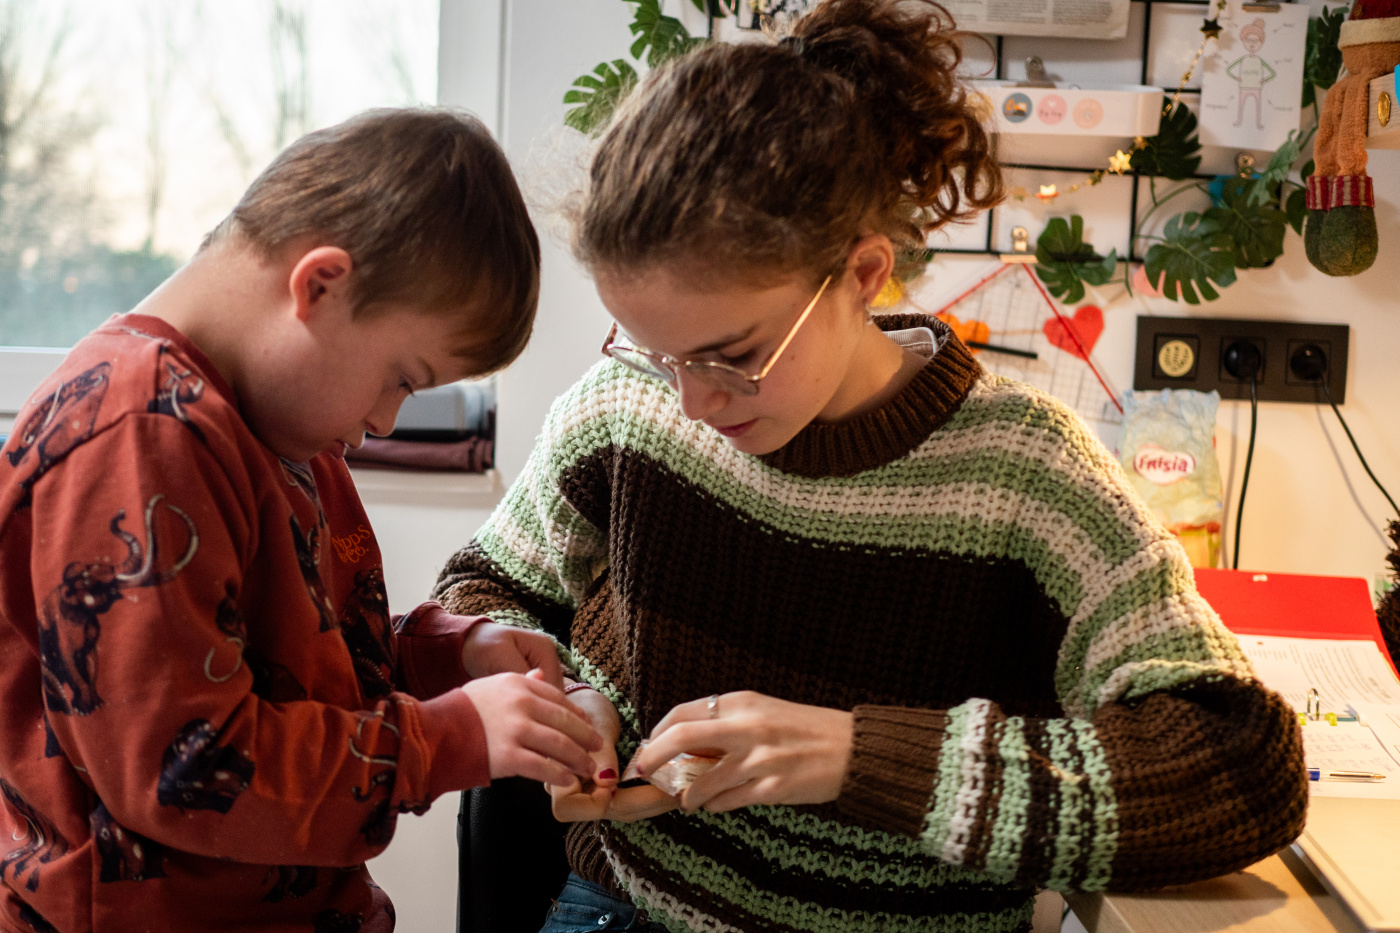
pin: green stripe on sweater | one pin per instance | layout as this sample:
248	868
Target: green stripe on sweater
696	871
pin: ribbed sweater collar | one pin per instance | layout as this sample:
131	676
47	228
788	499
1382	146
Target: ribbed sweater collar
891	431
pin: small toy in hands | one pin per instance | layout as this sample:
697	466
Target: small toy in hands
675	775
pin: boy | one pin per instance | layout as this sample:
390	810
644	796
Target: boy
206	719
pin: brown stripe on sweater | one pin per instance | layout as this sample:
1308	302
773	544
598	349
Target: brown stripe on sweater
1216	744
1038	841
767	592
473	584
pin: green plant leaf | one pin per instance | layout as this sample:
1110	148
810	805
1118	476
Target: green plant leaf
1064	262
599	94
1295	208
1256	230
1265	187
660	37
1174	152
1193	255
1323	60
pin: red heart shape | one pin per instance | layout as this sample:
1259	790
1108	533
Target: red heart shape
1077	335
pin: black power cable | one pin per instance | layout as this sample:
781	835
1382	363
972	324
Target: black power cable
1243	360
1308	362
1248	460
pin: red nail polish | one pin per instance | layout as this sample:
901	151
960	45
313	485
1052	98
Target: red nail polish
607	774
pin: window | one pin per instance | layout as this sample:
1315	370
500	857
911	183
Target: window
134	125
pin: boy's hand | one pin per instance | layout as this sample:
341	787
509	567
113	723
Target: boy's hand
492	648
531	730
600	798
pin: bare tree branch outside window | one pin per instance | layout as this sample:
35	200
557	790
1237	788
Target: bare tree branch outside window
128	128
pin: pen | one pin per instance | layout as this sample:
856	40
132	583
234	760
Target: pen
993	348
1317	774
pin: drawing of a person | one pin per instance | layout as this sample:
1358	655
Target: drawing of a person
1252	72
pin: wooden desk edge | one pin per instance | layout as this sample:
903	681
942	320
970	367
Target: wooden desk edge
1244	902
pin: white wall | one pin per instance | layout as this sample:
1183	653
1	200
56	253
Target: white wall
1310	507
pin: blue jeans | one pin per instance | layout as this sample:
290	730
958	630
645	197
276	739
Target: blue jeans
583	907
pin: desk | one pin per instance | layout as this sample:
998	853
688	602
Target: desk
1277	895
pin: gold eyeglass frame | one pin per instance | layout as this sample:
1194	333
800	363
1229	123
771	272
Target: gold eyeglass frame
722	375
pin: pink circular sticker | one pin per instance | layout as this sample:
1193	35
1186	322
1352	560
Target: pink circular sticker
1087	113
1051	109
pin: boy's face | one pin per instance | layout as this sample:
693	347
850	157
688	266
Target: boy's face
338	377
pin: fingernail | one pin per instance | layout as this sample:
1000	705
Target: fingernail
607	774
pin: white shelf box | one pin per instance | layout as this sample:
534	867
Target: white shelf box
1110	110
1382	103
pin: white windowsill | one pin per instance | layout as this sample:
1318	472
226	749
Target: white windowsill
411	487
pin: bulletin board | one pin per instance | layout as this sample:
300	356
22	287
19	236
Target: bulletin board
1161	39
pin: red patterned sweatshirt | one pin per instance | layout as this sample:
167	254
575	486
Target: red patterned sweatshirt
207	719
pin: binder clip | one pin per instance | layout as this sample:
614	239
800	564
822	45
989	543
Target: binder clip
1020	247
1035	74
1314	705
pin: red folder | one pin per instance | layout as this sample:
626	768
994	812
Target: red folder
1292	605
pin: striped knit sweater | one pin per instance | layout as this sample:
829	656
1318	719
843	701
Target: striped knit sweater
1041	698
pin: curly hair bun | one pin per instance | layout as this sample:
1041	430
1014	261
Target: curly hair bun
778	156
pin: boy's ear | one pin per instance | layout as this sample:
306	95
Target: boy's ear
871	261
319	278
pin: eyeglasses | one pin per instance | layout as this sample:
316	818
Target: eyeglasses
718	375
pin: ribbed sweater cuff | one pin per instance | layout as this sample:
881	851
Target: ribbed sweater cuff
894	764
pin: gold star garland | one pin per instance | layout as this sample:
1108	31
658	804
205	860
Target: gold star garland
1121	162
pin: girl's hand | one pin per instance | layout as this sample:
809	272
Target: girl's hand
577	800
600	798
774	751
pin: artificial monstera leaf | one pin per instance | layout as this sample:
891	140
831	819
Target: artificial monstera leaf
1295	208
1256	230
1174	152
660	37
1193	255
599	94
1064	262
1323	59
1265	187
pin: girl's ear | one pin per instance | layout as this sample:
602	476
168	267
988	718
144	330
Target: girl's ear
871	261
320	278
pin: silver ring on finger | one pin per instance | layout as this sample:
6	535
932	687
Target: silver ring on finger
712	706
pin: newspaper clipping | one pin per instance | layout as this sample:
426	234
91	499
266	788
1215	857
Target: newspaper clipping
1080	19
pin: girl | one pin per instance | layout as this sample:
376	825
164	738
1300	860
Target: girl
946	655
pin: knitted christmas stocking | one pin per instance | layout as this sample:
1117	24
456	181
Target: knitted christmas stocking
1340	237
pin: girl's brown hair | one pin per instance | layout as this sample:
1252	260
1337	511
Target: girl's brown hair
424	202
763	157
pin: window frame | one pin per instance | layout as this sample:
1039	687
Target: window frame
469	59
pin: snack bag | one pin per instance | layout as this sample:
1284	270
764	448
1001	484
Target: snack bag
1168	452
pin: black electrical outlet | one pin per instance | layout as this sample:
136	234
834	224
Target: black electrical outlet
1191	353
1242	358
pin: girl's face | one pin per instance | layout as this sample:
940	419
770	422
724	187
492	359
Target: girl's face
1252	42
823	374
